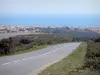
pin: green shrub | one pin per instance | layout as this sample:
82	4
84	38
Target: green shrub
92	57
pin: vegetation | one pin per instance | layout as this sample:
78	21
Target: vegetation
85	39
31	49
76	32
26	43
92	58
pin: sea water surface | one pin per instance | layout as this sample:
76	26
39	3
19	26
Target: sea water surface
50	19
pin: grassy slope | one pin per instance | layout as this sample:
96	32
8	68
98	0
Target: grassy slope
32	49
67	65
28	50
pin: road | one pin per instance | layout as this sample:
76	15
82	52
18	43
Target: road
24	64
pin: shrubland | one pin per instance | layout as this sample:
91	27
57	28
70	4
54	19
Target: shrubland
21	43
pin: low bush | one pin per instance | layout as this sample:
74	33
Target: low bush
92	57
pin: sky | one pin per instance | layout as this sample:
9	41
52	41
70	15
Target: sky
50	12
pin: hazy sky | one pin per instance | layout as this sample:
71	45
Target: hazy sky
50	6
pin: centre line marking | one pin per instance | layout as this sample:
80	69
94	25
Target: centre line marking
6	63
16	61
23	59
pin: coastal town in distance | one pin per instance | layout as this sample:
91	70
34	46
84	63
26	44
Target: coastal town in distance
36	29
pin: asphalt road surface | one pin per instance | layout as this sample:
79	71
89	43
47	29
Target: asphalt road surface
24	64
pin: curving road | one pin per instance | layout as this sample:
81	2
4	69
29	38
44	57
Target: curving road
24	64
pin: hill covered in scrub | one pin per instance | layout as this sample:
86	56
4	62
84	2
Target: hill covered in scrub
76	32
26	42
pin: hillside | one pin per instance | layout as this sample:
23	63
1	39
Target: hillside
73	32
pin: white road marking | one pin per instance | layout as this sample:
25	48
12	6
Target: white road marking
23	59
6	63
32	56
29	58
16	61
